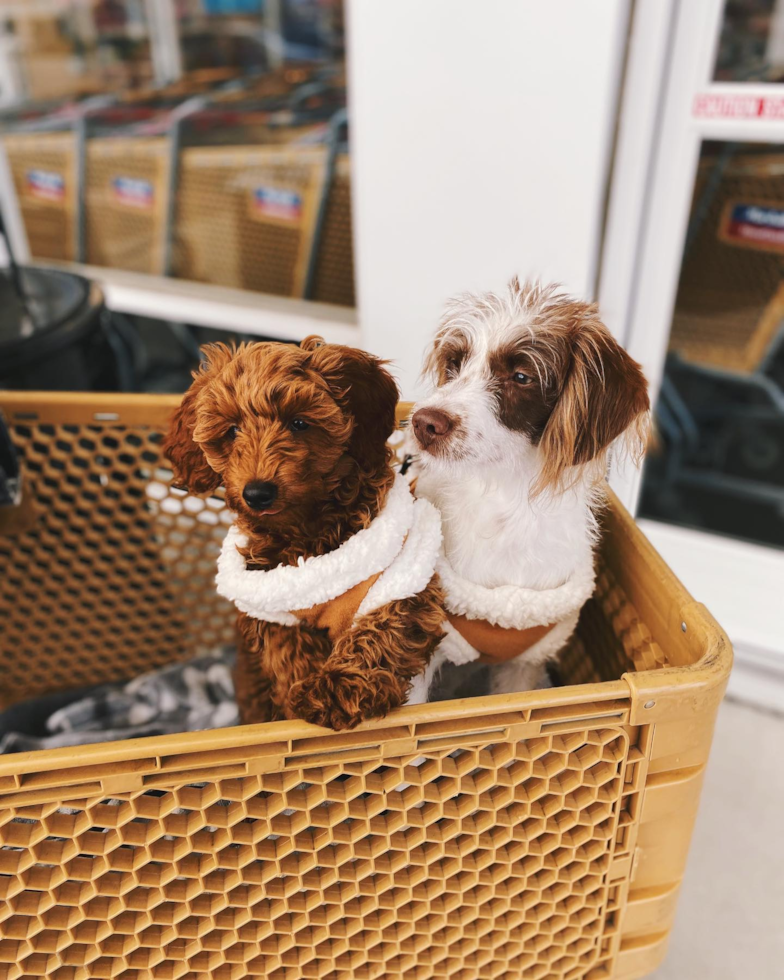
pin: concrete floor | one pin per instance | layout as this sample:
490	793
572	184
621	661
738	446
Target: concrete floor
730	919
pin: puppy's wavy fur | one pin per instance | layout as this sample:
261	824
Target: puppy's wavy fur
537	393
232	428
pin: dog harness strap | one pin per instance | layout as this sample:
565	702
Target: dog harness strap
494	644
337	615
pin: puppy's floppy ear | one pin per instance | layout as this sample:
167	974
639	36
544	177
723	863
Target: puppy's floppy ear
191	470
361	385
603	395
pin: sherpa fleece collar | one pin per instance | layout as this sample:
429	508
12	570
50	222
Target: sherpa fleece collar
512	606
272	595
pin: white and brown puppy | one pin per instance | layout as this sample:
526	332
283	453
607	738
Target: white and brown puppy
530	392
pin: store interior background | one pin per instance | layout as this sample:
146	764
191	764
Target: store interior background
245	169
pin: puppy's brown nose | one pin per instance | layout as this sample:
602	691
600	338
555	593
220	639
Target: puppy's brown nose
430	425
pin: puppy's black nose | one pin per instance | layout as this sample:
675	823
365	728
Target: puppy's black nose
430	425
259	495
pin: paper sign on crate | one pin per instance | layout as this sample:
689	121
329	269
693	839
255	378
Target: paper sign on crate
753	225
276	203
45	185
133	193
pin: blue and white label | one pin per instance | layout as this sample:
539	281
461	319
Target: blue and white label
759	226
272	202
46	185
133	193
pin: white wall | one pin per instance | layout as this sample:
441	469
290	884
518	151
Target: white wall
481	132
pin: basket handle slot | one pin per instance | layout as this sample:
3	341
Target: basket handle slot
580	721
580	711
458	741
364	739
350	754
173	777
52	794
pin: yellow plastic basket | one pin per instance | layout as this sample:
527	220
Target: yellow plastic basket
532	836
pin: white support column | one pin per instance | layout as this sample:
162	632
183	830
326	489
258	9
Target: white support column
480	138
12	81
774	49
273	32
164	40
12	216
639	124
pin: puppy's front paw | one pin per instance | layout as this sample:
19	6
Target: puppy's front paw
340	699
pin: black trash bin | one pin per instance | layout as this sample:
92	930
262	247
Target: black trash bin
54	340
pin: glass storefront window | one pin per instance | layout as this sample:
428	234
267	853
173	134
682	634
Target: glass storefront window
80	47
717	459
236	174
751	42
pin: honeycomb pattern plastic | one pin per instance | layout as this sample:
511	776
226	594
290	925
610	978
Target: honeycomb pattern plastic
126	231
494	860
116	575
724	290
333	281
49	219
219	238
539	836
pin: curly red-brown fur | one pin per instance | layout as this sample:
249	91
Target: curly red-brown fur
371	666
232	428
270	660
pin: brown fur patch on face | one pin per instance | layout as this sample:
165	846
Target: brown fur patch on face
242	421
245	427
588	390
522	406
445	357
602	393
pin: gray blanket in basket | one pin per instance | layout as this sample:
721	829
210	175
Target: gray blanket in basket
182	697
189	696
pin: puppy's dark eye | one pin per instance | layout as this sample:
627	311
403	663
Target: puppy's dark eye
453	364
233	432
521	378
299	425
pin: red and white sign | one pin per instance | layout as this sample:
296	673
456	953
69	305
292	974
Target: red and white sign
133	193
752	225
274	202
717	106
45	185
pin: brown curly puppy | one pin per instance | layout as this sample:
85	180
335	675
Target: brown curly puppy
330	560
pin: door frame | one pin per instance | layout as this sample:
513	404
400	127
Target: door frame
671	104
